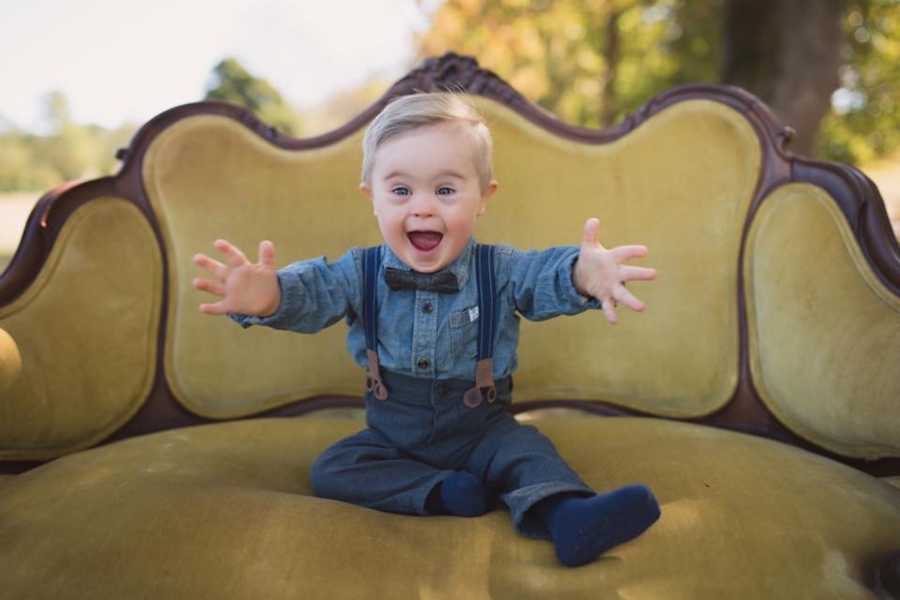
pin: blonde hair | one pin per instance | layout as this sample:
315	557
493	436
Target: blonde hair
421	110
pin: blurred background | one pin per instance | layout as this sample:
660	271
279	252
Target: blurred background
80	77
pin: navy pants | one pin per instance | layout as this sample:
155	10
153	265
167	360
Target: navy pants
423	433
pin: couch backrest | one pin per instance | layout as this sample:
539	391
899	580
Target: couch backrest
775	309
210	177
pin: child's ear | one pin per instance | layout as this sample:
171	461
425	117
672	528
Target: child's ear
366	191
486	194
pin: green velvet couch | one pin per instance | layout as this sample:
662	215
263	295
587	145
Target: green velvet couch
150	451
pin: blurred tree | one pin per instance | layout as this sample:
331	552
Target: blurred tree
30	162
593	61
20	168
56	110
788	53
70	149
589	61
231	82
865	121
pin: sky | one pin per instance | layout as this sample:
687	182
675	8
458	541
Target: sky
126	60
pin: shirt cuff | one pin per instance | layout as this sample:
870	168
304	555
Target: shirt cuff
585	302
246	321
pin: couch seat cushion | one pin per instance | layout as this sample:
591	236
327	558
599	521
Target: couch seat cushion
224	511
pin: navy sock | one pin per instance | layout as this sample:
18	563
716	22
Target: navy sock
583	528
461	494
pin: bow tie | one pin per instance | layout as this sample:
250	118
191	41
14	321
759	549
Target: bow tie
443	282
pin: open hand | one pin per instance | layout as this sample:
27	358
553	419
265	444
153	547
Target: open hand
244	287
600	273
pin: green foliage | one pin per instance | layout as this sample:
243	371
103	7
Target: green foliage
30	162
21	167
865	123
231	82
69	151
558	55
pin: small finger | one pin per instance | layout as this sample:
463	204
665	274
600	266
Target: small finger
589	236
213	287
637	273
267	253
211	265
233	255
217	308
623	253
610	311
629	300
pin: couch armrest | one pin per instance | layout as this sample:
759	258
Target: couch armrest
85	331
10	361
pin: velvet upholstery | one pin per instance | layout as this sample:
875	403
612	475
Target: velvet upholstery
224	511
812	346
210	177
87	366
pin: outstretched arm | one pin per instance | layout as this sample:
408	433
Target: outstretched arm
244	287
305	296
601	274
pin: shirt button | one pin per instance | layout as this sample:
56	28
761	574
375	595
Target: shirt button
427	308
423	363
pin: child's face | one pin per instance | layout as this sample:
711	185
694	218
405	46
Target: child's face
426	194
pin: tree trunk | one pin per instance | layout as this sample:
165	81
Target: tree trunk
611	51
787	52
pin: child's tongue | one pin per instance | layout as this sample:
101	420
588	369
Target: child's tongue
425	240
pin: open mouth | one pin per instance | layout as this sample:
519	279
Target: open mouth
425	240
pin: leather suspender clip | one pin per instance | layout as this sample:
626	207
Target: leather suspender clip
373	377
487	310
484	385
371	261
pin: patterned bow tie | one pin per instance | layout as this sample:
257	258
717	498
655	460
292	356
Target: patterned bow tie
398	279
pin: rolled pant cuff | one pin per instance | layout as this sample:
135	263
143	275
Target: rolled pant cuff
521	501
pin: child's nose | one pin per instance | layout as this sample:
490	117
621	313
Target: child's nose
422	205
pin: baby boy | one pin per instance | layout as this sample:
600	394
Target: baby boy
433	317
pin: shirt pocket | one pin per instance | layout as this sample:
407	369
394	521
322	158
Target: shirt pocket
464	333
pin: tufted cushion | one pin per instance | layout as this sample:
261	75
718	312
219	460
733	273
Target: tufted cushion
223	511
210	177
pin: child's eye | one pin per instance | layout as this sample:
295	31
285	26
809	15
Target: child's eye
400	190
445	191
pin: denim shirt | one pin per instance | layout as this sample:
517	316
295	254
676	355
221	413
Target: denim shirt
428	334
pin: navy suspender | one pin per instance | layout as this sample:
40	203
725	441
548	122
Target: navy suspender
371	262
487	324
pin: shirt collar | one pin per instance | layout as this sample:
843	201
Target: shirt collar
459	267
